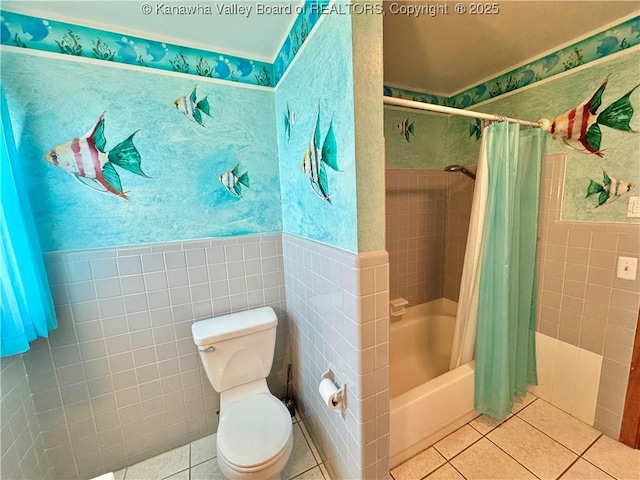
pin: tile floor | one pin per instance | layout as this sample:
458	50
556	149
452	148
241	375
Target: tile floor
197	461
536	441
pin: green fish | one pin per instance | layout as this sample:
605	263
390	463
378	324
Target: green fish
610	191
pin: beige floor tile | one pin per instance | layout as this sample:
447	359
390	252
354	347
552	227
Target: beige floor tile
445	472
301	458
209	470
314	474
615	458
454	443
484	461
419	466
562	427
540	454
203	449
583	470
161	466
520	403
484	424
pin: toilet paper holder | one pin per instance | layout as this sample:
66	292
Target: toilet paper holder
340	396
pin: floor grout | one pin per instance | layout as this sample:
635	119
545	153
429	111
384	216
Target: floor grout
449	461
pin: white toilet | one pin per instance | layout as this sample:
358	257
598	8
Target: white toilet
255	436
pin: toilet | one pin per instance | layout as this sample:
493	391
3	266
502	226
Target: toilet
255	435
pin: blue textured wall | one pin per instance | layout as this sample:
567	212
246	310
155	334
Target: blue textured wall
54	100
320	77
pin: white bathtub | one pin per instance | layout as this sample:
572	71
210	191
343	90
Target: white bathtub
427	404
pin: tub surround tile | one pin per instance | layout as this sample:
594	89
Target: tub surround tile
577	436
614	458
457	441
419	466
583	470
483	461
540	454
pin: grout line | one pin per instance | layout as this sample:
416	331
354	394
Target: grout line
514	459
454	467
555	439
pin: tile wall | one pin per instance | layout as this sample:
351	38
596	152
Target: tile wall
337	304
580	300
120	379
427	219
20	438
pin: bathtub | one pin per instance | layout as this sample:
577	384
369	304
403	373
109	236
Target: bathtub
427	401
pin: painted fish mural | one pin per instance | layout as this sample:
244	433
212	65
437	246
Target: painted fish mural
289	120
610	190
316	157
579	127
232	181
192	110
405	128
86	160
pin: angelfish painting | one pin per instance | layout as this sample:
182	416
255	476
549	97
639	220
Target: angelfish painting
316	157
86	160
610	190
579	127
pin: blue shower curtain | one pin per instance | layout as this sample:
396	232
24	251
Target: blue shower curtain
505	339
25	298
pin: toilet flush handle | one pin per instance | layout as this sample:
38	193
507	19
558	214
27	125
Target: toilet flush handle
207	350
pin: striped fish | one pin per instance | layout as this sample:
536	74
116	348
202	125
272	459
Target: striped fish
231	180
579	128
611	189
192	110
86	160
315	159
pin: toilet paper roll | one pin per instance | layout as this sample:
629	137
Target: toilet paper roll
328	391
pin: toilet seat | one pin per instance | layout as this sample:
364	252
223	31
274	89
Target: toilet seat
254	433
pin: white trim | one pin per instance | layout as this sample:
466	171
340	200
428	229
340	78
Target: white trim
413	110
613	56
287	32
424	92
550	51
302	48
143	35
126	66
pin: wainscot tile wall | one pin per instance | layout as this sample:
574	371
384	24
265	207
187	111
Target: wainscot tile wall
120	380
427	220
22	448
337	303
580	300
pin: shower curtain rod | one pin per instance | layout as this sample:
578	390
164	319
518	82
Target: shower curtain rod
400	102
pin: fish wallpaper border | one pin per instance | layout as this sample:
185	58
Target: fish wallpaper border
38	33
600	45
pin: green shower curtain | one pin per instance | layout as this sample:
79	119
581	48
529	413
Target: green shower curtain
505	341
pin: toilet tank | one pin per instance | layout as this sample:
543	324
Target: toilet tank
238	348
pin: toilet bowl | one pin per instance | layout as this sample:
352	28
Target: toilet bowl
255	434
255	437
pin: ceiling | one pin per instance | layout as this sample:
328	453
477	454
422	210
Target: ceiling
440	54
256	36
446	54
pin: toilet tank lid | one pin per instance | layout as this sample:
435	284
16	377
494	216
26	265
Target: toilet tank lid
217	329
